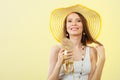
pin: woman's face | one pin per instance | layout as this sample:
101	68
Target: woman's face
74	24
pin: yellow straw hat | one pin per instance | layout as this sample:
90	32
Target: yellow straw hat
58	17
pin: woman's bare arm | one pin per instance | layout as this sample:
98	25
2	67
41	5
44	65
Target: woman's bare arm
93	59
54	63
100	64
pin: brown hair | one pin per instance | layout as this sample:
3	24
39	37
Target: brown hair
86	36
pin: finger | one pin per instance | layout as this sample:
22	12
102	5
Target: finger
69	54
69	51
62	50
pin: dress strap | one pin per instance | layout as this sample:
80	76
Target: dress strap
87	55
87	50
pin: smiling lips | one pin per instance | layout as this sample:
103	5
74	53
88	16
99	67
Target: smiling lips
74	28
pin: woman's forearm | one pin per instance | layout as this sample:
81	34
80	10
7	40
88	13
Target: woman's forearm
55	73
99	68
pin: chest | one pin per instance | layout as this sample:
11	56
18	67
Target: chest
78	54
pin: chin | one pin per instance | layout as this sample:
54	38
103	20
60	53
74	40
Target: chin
75	34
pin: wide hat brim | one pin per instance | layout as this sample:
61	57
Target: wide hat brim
58	17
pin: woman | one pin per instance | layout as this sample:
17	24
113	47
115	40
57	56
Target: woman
81	26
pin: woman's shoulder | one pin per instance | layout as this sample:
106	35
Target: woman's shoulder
93	52
92	49
55	49
54	53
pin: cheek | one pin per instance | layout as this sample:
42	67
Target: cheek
67	26
80	26
81	29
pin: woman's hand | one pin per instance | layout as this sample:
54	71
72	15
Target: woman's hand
62	56
68	56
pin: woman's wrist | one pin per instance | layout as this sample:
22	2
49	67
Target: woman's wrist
58	64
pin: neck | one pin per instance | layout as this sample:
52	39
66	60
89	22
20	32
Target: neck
76	41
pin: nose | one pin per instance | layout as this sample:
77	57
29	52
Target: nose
74	23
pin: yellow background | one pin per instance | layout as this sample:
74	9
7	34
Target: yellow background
25	39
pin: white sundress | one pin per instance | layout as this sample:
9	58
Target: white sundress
77	67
